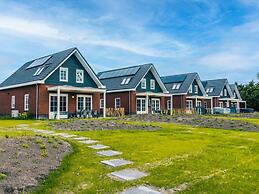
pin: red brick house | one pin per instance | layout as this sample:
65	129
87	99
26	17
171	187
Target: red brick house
187	93
137	89
54	86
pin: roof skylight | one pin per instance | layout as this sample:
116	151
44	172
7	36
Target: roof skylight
38	62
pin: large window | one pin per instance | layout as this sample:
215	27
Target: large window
101	103
141	105
152	84
26	102
53	103
63	104
63	74
79	76
155	103
189	104
84	103
13	102
117	102
144	83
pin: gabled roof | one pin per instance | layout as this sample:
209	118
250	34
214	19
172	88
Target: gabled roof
217	85
112	79
234	89
185	81
25	75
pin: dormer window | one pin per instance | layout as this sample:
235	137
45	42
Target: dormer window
39	70
209	90
63	74
125	81
144	83
176	86
152	84
196	91
79	76
190	89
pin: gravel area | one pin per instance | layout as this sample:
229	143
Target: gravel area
26	161
196	120
97	124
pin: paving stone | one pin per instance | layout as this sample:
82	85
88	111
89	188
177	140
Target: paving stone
23	125
67	135
141	190
116	162
81	138
47	132
99	147
109	153
127	174
88	141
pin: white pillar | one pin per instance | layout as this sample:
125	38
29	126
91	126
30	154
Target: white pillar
171	111
58	103
104	104
147	103
245	104
211	105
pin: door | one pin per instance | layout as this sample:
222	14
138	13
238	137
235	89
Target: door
84	103
199	107
155	104
53	106
141	106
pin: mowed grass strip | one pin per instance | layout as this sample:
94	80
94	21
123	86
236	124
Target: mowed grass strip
208	160
243	119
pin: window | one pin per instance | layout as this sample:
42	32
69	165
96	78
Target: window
196	89
168	104
235	95
221	105
63	74
117	102
155	103
26	102
189	104
176	86
144	83
190	89
225	92
79	76
101	103
39	70
84	103
13	102
53	103
152	84
63	103
221	93
209	90
125	80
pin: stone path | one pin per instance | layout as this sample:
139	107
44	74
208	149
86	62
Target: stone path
109	153
99	147
127	174
141	190
89	141
116	162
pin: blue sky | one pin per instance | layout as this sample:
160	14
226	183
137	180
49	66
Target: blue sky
217	39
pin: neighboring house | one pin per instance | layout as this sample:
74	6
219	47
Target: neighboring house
220	91
53	86
137	89
237	101
187	93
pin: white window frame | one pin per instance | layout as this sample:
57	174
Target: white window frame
221	104
221	93
13	102
190	89
101	103
225	92
189	102
154	101
51	113
152	84
144	84
84	96
196	89
168	104
26	102
66	70
115	103
77	72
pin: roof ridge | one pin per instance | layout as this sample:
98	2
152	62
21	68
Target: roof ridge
180	74
124	68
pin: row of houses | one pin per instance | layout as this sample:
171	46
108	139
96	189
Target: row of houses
63	84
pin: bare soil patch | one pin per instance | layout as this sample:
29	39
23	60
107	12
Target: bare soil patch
26	161
198	121
97	124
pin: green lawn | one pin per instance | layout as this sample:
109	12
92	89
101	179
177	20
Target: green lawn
249	120
208	160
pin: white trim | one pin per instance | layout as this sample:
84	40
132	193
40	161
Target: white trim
123	90
82	72
21	85
144	83
152	94
189	108
84	96
63	69
152	84
190	89
50	113
141	106
115	105
26	102
155	101
198	80
101	102
13	102
196	89
75	89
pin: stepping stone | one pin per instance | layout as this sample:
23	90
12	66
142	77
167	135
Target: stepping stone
23	125
99	147
81	138
66	135
109	153
47	132
141	190
127	174
116	162
88	141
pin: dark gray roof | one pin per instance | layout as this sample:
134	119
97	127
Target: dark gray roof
112	79
184	79
234	88
217	84
25	74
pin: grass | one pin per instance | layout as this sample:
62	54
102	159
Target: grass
2	176
243	119
208	160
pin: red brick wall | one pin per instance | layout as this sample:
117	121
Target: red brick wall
179	101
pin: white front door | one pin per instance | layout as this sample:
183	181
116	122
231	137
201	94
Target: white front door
53	106
141	106
155	104
84	103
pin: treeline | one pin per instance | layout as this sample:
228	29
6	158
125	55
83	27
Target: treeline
250	93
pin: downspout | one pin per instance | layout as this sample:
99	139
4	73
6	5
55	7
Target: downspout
37	99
